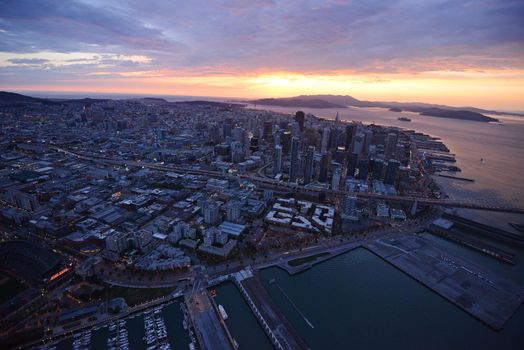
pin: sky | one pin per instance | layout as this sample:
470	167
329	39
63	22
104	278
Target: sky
455	52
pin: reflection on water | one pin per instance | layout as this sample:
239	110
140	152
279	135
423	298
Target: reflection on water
359	301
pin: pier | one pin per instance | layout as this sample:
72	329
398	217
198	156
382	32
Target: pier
277	327
211	332
456	178
475	227
475	244
477	291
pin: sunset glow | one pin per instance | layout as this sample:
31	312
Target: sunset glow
269	49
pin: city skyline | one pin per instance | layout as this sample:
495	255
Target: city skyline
457	53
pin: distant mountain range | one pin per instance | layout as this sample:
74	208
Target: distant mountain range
11	99
344	101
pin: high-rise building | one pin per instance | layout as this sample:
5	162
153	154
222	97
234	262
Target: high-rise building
268	130
363	168
117	241
253	144
233	211
226	129
277	166
349	204
237	152
286	141
400	151
352	164
391	146
142	240
324	167
325	140
358	144
378	169
350	132
300	117
308	171
293	168
211	212
368	141
238	134
349	210
335	179
334	138
391	172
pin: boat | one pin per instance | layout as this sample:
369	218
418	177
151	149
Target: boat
222	312
404	119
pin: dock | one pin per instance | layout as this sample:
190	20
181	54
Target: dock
475	227
472	288
472	243
211	332
456	177
277	327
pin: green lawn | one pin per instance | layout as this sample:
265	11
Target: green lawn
135	296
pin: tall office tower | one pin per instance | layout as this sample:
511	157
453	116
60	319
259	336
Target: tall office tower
339	155
286	142
378	169
233	209
214	133
300	117
334	138
293	168
226	128
391	146
350	132
253	144
268	130
324	167
352	164
295	129
363	167
277	137
373	150
368	141
237	152
358	144
211	212
325	140
308	171
391	172
277	166
335	178
238	134
400	151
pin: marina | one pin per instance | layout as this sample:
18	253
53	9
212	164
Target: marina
160	328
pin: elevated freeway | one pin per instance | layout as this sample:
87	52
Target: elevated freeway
293	187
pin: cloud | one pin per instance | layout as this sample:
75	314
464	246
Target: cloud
28	61
244	37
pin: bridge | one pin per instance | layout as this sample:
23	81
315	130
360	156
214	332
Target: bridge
293	187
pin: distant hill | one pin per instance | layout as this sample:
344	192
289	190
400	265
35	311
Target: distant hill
298	102
11	99
343	101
